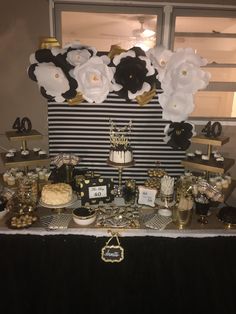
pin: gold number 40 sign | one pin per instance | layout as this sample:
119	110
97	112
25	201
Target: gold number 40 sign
212	129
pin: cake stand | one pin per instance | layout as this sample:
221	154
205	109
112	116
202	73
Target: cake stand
59	208
120	167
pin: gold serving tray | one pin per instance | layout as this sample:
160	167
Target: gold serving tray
210	166
17	136
31	160
201	139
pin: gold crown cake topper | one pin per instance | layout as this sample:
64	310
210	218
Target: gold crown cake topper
120	136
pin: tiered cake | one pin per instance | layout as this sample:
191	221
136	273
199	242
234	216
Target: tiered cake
120	150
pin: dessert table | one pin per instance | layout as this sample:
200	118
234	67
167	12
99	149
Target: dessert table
169	271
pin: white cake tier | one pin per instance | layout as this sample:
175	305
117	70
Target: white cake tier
121	156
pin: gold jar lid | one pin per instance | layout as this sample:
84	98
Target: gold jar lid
48	42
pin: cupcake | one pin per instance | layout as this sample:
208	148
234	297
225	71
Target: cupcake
14	171
220	160
214	152
219	185
9	156
205	158
190	156
25	153
36	150
12	150
19	174
198	153
37	169
42	154
228	178
212	180
225	183
11	180
6	175
41	175
217	155
47	175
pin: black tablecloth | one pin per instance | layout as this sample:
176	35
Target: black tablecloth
65	274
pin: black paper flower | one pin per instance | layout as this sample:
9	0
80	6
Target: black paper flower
178	135
134	73
51	72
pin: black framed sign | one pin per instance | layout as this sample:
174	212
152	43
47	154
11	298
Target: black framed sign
96	190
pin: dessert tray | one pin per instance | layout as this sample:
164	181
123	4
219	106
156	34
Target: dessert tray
56	221
21	221
73	200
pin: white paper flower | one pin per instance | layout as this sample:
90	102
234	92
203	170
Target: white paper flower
185	55
75	53
159	56
176	106
78	57
94	79
51	72
184	74
181	77
52	79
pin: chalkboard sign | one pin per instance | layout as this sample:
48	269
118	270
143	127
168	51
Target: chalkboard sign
112	253
96	190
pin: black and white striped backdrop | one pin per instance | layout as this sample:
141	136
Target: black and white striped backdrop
83	130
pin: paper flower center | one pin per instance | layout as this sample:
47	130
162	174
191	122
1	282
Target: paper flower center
162	62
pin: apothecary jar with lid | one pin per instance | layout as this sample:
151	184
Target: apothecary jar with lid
27	191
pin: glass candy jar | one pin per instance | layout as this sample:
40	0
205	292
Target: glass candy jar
27	193
202	208
129	191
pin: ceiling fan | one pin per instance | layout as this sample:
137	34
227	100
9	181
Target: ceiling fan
138	33
143	32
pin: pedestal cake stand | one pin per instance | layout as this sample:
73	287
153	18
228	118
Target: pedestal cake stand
120	167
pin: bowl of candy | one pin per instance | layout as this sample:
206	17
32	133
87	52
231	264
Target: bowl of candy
84	216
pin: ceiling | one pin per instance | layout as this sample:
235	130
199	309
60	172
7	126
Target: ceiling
102	30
